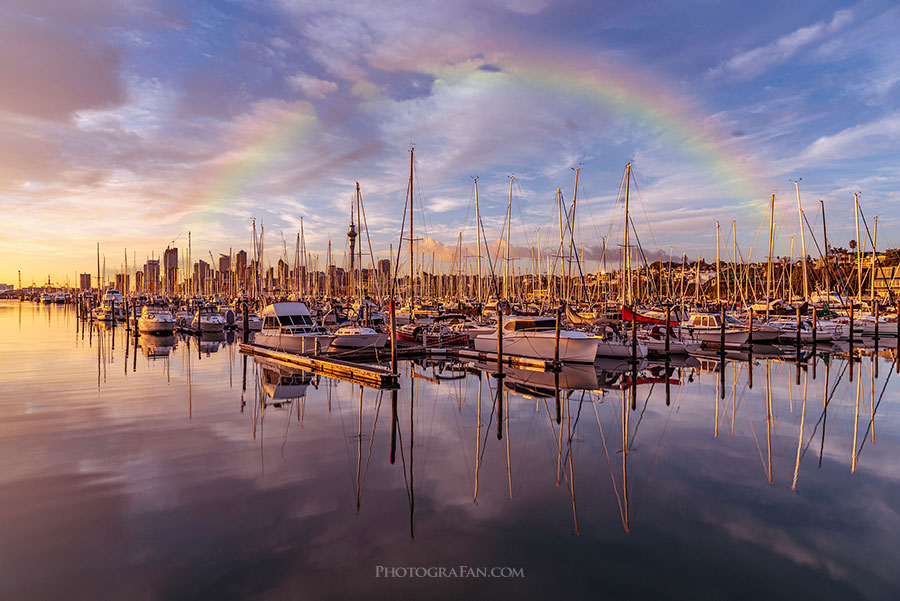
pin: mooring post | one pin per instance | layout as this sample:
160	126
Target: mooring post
668	334
499	341
393	337
245	319
556	346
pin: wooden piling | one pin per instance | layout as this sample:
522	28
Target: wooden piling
245	319
556	346
393	337
668	335
499	341
750	329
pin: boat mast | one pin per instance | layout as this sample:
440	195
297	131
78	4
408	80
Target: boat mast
874	259
478	295
858	250
802	243
770	273
625	250
412	256
718	270
508	228
571	221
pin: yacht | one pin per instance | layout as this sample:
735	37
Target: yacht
357	337
207	319
156	320
112	306
288	326
536	337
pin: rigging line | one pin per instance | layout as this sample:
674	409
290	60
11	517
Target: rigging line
644	209
400	245
874	409
362	485
875	253
756	438
609	464
824	409
828	266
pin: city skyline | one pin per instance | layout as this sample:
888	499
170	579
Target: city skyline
133	123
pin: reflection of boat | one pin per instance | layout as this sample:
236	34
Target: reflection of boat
156	346
289	327
536	337
541	383
211	341
281	382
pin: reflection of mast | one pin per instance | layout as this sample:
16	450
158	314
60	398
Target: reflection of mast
626	517
571	466
855	425
800	440
508	469
477	440
769	415
824	412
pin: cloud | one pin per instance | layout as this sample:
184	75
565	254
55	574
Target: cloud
311	86
48	72
863	140
753	62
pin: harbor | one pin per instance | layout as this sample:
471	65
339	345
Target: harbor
154	450
449	300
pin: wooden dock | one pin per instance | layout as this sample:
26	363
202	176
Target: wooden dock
366	375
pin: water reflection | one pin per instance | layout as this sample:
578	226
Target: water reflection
735	460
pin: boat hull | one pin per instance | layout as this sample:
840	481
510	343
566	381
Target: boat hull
302	344
538	346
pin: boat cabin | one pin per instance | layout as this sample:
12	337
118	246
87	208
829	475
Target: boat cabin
288	318
530	324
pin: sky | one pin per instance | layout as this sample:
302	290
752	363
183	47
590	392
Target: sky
134	123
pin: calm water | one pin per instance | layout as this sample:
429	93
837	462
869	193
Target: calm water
172	471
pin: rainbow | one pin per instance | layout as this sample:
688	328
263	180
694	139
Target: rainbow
224	179
611	85
633	93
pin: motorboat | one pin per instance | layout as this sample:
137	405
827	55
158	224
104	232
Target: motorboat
707	328
112	306
288	326
206	319
536	337
353	336
156	320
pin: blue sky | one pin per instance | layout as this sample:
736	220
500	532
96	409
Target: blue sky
132	123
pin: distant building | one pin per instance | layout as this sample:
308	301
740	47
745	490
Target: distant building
202	275
284	274
170	269
151	276
122	281
139	281
84	281
240	268
384	267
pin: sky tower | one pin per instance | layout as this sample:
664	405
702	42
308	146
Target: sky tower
352	236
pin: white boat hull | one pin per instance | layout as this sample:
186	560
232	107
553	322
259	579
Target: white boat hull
358	341
303	344
541	345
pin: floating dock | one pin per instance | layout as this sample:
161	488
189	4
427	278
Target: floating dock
367	375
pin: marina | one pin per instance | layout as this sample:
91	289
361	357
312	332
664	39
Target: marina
212	470
449	300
